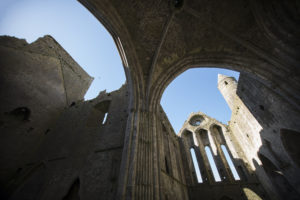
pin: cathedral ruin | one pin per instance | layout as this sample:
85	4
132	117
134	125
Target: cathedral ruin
121	145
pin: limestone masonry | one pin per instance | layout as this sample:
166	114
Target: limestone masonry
121	145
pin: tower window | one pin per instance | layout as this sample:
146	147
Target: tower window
225	82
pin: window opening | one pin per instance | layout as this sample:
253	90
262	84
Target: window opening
230	163
167	166
196	165
261	107
21	113
105	117
196	120
226	83
212	164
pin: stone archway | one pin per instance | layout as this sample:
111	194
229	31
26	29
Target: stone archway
161	39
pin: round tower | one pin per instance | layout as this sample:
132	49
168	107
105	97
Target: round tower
227	86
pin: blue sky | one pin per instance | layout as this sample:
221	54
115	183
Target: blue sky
88	42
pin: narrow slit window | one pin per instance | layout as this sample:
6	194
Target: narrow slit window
230	163
196	165
167	166
105	117
212	164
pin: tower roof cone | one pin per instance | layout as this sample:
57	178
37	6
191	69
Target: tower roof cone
221	77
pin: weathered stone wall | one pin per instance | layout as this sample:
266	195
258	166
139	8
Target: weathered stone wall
157	41
37	81
267	128
171	167
80	157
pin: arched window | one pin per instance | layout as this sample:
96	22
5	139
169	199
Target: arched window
204	137
188	135
212	164
230	163
196	165
98	114
104	118
103	107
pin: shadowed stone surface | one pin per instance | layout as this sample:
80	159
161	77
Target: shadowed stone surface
54	145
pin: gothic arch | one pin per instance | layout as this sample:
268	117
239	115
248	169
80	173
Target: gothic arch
188	136
244	49
110	19
240	63
218	134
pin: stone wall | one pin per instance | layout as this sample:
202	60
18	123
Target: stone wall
55	146
81	155
171	168
267	127
37	81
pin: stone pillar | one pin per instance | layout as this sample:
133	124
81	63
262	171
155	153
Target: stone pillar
207	172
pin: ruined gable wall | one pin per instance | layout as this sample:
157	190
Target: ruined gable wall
211	133
37	81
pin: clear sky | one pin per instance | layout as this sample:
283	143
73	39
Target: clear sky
88	42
